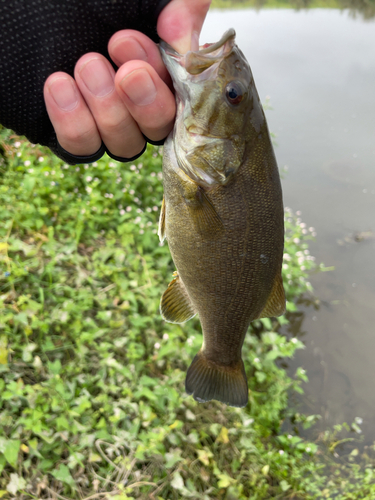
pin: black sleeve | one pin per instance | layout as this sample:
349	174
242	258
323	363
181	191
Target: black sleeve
39	37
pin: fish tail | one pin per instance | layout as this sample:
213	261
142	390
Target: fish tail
207	380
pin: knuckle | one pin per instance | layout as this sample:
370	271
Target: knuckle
78	135
114	124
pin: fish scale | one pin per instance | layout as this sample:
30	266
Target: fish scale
223	221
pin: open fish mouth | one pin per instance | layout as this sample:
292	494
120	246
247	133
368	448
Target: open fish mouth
196	62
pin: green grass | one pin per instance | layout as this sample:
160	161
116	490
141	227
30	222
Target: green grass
92	401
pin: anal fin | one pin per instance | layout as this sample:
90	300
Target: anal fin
207	380
175	304
275	305
161	230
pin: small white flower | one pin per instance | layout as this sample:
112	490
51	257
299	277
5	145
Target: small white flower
281	452
137	220
128	209
141	231
17	144
148	209
299	212
256	360
41	159
27	163
133	167
294	340
46	174
296	240
83	211
122	212
152	174
136	199
53	183
88	189
308	449
78	169
31	170
88	178
131	192
157	345
155	208
165	336
303	225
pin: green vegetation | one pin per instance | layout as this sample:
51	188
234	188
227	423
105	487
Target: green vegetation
92	401
366	8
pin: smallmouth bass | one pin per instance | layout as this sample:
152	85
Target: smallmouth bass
222	213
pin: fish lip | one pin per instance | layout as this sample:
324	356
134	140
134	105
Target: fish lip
209	53
228	35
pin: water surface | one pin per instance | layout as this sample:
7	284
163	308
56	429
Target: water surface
318	67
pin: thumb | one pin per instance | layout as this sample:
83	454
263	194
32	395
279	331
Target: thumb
180	23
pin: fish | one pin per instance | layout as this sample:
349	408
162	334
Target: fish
222	213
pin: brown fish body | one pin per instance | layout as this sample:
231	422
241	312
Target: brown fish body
225	237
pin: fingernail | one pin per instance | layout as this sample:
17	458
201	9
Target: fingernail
139	87
97	77
131	49
64	93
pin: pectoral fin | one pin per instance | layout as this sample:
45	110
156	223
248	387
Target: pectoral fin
205	216
275	305
202	211
175	304
161	231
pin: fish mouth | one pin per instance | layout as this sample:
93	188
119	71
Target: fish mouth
196	62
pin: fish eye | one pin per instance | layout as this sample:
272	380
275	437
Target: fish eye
234	92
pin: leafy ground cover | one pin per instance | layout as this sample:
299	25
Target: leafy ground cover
92	401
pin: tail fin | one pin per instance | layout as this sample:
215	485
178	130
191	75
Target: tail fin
206	380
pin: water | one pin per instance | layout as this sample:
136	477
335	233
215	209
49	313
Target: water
318	67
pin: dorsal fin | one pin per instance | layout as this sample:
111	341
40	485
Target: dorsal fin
175	304
275	305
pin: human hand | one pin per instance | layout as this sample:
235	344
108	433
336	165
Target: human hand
99	105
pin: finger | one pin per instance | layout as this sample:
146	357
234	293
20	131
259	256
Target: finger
74	125
130	45
147	97
180	23
120	133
